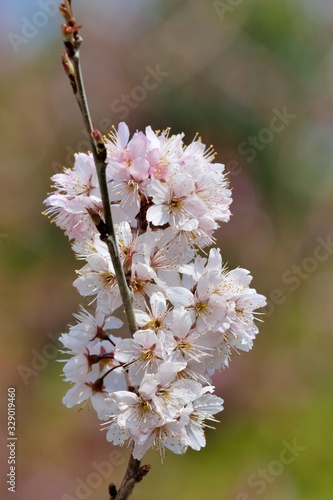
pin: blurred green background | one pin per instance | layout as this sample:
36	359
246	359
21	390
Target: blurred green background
224	69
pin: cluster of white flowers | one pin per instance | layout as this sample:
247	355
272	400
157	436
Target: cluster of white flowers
153	389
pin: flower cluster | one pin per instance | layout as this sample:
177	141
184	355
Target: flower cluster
167	199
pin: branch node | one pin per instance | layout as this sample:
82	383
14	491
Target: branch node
69	70
99	223
99	143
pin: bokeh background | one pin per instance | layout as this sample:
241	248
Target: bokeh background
226	68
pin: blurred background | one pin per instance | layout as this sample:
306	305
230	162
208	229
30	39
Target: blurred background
254	77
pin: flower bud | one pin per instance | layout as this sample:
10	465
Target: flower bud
99	143
66	11
68	31
67	64
69	70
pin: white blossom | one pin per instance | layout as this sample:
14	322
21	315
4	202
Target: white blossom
167	199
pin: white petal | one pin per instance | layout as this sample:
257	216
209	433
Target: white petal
123	134
180	296
158	215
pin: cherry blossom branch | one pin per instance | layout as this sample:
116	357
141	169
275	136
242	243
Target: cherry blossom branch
134	474
72	67
158	180
71	63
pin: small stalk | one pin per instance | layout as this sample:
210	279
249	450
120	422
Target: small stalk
71	63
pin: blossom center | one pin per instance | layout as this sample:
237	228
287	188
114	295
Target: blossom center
183	345
200	307
155	324
175	204
109	278
138	285
148	354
